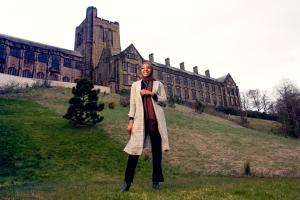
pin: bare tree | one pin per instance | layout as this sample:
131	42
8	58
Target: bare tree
245	106
265	101
288	107
255	99
245	103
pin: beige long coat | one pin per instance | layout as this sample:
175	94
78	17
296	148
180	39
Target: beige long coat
136	142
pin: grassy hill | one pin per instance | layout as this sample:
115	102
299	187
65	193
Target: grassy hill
43	157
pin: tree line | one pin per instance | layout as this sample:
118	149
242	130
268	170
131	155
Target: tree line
284	106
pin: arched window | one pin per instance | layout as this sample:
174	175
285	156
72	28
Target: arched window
27	73
66	79
40	75
12	71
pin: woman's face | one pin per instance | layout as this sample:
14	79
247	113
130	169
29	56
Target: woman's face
146	70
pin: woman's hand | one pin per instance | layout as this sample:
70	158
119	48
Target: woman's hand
129	127
146	92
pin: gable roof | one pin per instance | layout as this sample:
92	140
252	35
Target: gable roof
220	80
39	45
225	78
131	46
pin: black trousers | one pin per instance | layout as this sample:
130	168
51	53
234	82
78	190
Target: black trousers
151	129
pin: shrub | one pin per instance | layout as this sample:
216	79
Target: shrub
124	98
171	102
111	105
84	107
247	169
199	107
11	87
45	83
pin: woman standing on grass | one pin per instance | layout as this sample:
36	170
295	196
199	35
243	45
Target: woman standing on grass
146	124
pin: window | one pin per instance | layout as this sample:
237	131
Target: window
200	85
1	69
207	86
67	63
55	62
42	57
125	66
213	88
29	57
15	52
192	83
186	93
219	89
215	101
170	90
177	80
207	98
169	78
27	74
2	54
66	79
12	71
220	100
40	75
178	92
159	75
201	96
125	79
194	97
133	68
78	65
185	82
132	56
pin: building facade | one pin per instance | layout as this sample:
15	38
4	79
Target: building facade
97	55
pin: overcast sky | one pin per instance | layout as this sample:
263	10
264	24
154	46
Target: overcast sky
256	41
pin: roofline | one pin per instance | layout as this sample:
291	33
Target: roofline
40	45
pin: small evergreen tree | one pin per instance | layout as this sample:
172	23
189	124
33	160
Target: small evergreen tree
84	107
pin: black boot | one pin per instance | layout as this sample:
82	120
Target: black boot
125	187
155	186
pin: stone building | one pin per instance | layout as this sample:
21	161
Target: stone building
98	56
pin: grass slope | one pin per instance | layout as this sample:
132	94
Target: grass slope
43	157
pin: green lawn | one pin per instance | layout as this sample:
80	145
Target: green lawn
43	157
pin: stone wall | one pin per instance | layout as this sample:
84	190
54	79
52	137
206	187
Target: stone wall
6	79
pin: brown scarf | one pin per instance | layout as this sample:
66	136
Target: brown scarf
147	99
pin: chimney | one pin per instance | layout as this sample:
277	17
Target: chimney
182	65
207	73
195	69
167	61
151	57
91	11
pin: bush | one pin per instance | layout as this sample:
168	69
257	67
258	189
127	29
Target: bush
45	83
11	87
178	100
171	102
124	98
84	107
111	105
199	107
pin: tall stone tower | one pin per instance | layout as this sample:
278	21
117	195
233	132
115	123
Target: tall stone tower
97	39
